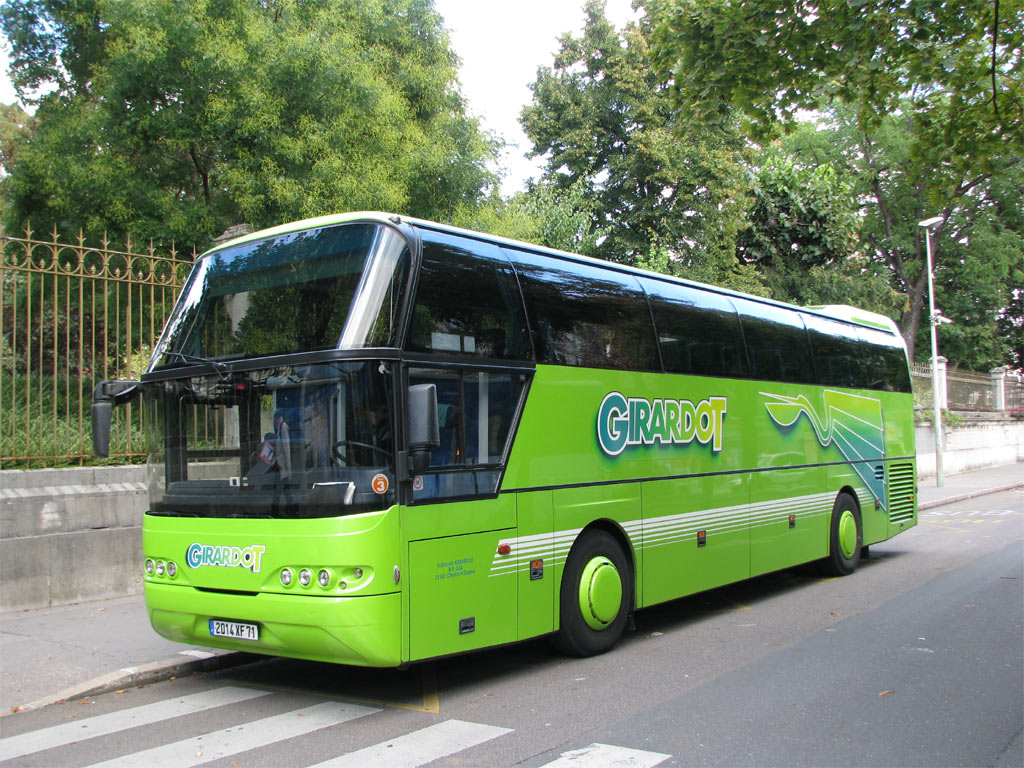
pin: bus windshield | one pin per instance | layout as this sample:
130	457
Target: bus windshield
330	287
289	441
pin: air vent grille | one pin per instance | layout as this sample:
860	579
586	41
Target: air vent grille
902	489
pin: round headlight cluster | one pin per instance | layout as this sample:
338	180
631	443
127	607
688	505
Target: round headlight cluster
161	568
325	578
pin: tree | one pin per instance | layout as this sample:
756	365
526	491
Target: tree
923	104
803	235
544	214
955	66
176	119
978	251
602	118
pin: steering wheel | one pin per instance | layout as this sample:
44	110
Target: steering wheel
341	449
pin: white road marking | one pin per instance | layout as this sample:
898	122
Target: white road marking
239	738
80	730
608	756
419	747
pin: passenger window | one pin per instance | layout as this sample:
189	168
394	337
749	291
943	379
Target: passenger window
467	301
839	356
698	330
776	342
476	411
586	316
887	367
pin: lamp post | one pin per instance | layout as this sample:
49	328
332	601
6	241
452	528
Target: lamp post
933	322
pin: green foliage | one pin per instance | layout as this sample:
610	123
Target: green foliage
47	422
602	118
923	112
977	250
802	237
175	119
545	215
960	64
799	214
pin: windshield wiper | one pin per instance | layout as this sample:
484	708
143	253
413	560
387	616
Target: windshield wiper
220	367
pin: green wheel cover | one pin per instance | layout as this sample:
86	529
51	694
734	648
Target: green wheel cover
847	534
600	592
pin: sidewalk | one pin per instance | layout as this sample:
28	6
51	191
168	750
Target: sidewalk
53	654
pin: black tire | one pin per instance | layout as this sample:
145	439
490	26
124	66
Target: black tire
846	538
600	556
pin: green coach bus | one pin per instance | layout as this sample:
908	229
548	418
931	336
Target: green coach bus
375	440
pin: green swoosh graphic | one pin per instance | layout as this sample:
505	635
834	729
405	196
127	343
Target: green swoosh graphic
853	423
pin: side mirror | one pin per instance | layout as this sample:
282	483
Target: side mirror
105	396
101	412
424	435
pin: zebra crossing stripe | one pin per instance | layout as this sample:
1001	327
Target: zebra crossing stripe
80	730
239	738
419	747
608	756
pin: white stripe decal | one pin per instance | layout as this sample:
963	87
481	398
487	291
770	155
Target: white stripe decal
608	756
239	738
419	747
666	529
101	725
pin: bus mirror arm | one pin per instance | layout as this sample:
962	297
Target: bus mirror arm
105	396
424	434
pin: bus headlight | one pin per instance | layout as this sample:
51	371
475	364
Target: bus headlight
286	577
323	578
305	577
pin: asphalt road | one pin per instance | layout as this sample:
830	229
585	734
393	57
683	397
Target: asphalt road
915	660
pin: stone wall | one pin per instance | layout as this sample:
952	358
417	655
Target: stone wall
68	535
975	444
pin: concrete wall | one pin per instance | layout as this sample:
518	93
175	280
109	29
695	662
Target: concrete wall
68	535
976	444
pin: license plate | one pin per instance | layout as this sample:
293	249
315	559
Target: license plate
234	629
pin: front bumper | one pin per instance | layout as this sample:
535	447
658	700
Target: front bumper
363	631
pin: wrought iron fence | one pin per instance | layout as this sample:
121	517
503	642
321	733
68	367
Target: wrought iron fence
921	383
71	315
967	391
998	390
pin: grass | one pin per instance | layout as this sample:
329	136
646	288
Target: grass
45	422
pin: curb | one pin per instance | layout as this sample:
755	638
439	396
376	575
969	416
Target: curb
968	495
144	674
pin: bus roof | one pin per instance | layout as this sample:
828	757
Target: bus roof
842	312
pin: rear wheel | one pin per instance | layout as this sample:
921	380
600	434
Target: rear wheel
596	595
846	538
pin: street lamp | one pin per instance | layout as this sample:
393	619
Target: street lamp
933	322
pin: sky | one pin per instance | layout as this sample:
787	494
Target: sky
501	45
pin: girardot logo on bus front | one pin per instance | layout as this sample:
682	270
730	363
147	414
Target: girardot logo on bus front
625	422
198	555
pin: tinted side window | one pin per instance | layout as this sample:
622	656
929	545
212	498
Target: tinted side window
776	342
698	331
476	413
886	361
584	315
467	301
838	353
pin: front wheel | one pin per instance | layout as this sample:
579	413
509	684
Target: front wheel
596	595
846	538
